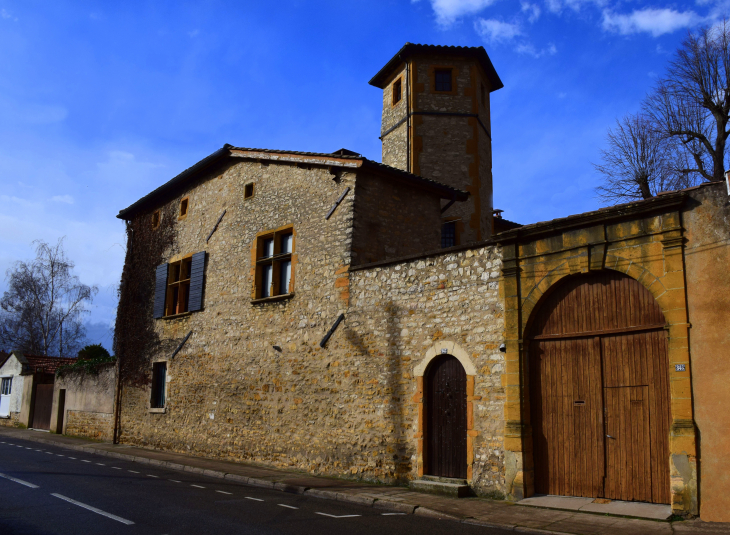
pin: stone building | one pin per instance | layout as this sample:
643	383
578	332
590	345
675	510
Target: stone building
326	312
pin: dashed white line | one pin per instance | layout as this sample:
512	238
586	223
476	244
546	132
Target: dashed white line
150	475
175	481
94	509
58	454
197	486
31	485
49	452
133	471
287	506
392	514
335	516
224	492
101	464
116	468
74	458
254	499
85	461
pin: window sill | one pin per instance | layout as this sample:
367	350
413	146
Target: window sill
176	316
271	299
161	410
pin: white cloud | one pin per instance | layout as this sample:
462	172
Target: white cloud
63	198
533	11
530	50
5	14
650	20
556	6
448	11
495	31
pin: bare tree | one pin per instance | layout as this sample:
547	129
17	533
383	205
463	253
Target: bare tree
691	103
636	164
42	309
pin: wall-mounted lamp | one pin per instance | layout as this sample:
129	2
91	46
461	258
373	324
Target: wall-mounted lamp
503	348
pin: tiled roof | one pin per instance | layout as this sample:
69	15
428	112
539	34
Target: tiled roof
330	158
411	49
37	363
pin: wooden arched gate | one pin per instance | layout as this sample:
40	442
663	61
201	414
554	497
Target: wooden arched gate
599	391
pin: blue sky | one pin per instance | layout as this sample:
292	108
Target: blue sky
101	102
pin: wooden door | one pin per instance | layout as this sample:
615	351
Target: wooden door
598	365
446	418
42	406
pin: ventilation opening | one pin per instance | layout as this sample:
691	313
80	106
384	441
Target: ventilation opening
248	191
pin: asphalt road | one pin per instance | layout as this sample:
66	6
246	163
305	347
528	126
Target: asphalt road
50	490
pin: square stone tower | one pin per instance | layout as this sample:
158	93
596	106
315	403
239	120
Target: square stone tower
436	124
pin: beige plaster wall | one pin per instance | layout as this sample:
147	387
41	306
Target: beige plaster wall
706	219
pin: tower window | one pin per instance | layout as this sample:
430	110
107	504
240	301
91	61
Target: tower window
443	79
448	234
397	91
156	219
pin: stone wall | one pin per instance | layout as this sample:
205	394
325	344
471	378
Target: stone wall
94	425
706	219
398	313
88	402
393	220
395	143
12	421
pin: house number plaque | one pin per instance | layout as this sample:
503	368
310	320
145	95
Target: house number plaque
679	368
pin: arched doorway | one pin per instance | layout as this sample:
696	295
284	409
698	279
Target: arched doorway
599	391
446	424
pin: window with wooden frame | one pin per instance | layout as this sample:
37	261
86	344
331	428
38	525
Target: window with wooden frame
178	286
248	191
159	385
397	91
184	205
155	219
442	80
449	234
274	263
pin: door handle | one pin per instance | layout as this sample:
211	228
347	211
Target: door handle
609	436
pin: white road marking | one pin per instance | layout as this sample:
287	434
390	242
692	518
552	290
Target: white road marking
74	458
224	492
335	516
116	468
150	475
85	461
94	509
174	480
100	464
59	455
197	486
287	506
133	471
254	499
31	485
392	514
49	452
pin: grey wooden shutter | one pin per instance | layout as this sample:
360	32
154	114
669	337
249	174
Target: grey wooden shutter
197	268
160	291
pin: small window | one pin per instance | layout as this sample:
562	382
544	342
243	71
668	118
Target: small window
397	91
184	207
443	79
178	287
484	96
448	234
6	386
159	385
248	191
155	219
274	264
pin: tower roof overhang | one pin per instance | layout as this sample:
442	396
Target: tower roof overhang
478	53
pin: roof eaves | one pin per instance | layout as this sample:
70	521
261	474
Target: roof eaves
410	49
611	213
446	192
126	213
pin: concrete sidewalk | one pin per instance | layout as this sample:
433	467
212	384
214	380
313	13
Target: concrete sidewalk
479	511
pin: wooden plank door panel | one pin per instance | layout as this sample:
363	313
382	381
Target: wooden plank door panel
42	406
446	418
